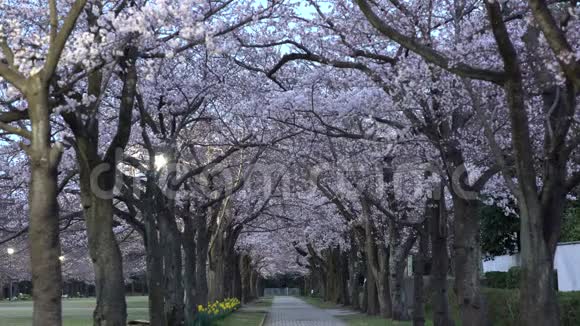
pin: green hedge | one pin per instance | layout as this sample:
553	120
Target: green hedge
503	280
503	307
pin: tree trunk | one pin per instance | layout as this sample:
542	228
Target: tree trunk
382	280
353	273
111	308
467	262
372	303
399	251
237	278
377	267
440	263
155	281
396	279
172	265
202	256
245	271
333	279
344	276
189	260
419	264
254	284
538	277
216	275
44	219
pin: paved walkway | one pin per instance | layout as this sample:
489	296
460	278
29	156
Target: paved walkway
291	311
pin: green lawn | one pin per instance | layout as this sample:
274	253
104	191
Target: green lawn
76	312
319	303
265	302
357	319
365	320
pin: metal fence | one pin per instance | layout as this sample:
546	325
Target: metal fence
270	292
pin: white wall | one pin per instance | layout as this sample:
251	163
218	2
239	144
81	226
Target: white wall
566	262
501	263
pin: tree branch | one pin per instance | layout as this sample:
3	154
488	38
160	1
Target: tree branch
427	53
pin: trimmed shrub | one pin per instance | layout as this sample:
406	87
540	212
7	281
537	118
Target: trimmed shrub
496	280
503	280
513	278
569	308
504	307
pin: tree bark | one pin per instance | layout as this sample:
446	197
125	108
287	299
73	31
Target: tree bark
189	262
170	243
155	281
467	262
44	219
353	272
111	309
344	276
399	251
216	275
437	218
202	256
420	259
538	277
377	267
237	278
245	271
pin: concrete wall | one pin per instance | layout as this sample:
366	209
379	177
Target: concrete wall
566	264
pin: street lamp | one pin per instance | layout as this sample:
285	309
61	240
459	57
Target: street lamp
10	252
61	258
160	161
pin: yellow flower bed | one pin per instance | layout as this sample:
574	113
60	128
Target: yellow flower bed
216	310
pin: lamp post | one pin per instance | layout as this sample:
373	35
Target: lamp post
10	252
62	258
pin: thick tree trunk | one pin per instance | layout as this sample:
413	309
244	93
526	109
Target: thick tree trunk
170	243
344	276
377	267
353	272
237	278
189	262
371	295
155	281
467	262
538	277
420	259
216	273
440	263
202	256
399	251
398	300
111	308
230	260
245	271
44	221
255	286
383	290
333	278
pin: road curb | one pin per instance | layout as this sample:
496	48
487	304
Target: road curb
264	319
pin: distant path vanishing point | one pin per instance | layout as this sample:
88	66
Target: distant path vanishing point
291	311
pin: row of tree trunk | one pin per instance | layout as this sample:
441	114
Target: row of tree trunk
370	275
192	267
